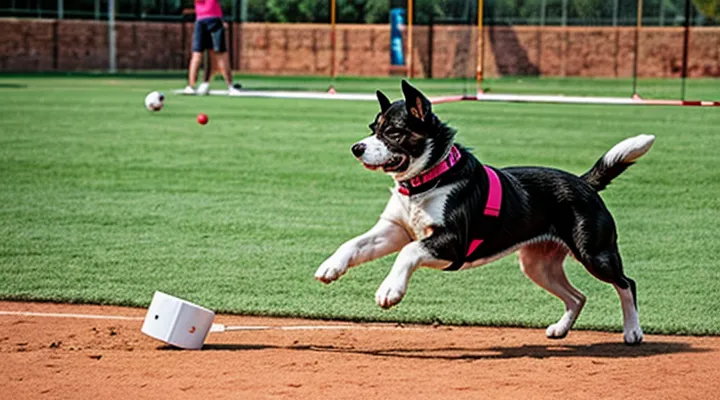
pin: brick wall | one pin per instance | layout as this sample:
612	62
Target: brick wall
75	45
27	46
305	49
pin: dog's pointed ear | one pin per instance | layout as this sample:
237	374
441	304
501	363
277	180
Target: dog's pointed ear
383	100
416	103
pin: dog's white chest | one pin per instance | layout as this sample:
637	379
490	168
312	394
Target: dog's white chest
421	219
425	211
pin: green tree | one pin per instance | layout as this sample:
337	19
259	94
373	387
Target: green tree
256	10
377	11
708	8
588	10
297	11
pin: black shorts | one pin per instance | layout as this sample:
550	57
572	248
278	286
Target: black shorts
209	35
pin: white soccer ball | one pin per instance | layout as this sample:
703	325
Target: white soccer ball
154	101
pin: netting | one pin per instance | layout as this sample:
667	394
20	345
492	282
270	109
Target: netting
601	48
586	48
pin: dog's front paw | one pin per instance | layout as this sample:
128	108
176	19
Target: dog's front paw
390	293
330	270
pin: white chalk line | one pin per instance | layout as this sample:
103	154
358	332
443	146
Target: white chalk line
64	315
497	97
216	328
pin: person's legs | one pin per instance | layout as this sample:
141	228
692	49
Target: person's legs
195	61
223	62
204	87
201	41
222	58
208	72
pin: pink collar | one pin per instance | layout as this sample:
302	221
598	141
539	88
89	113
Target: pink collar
494	199
439	169
434	173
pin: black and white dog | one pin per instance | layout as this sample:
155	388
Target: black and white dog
448	211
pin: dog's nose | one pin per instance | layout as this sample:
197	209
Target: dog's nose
358	149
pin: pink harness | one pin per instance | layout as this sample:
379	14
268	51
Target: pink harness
492	207
494	199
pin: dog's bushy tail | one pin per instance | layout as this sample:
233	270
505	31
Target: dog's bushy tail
617	160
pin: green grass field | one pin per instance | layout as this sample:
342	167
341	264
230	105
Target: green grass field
104	202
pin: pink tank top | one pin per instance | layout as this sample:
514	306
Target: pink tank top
207	9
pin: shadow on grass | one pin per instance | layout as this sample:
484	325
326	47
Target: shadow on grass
12	86
596	350
96	74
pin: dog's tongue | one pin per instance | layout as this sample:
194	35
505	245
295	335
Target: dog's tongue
371	167
389	166
394	163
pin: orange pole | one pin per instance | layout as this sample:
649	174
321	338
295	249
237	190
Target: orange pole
479	67
638	26
410	38
333	71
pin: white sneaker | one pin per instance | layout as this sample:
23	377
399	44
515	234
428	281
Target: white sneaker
203	89
234	89
188	90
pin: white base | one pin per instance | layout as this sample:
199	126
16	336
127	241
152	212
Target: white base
177	322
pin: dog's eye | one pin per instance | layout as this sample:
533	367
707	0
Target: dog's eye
394	135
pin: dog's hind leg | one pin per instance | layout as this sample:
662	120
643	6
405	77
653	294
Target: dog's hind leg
607	266
632	332
543	264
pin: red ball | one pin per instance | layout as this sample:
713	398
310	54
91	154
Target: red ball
202	119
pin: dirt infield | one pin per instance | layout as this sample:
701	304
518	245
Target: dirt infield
62	357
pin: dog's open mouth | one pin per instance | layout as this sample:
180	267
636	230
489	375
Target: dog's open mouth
397	162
